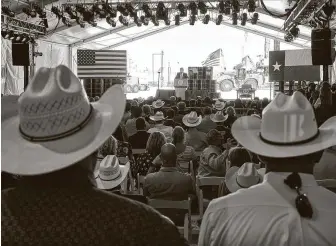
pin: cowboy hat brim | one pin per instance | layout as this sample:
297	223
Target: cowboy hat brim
231	179
154	105
212	117
185	122
246	130
110	184
22	157
156	119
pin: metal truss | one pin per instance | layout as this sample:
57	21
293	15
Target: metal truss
22	26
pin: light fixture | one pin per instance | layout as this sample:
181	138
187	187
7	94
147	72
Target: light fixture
177	20
219	20
66	22
243	19
234	18
227	7
221	7
25	39
3	33
161	11
192	20
147	10
55	11
182	9
235	6
295	31
203	8
251	6
155	21
288	37
36	54
108	9
123	20
7	11
132	12
144	20
99	11
137	21
122	10
29	12
255	19
42	14
206	19
193	8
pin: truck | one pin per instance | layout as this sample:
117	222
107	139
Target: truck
136	82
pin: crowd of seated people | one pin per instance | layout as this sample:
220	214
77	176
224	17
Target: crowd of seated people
268	196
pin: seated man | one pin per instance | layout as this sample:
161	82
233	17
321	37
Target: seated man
130	126
207	124
139	139
170	118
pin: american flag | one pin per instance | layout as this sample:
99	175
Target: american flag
214	59
101	63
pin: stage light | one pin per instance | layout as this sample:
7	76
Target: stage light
312	24
66	22
96	9
221	7
206	19
42	14
155	21
12	36
234	18
123	20
9	34
235	6
177	20
132	12
244	19
122	10
251	6
203	8
25	39
111	21
192	20
144	20
193	8
161	11
147	10
167	22
71	14
112	12
219	20
295	31
5	10
255	19
227	7
29	12
288	37
137	21
182	9
17	38
55	11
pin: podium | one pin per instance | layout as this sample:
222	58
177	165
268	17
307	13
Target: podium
181	86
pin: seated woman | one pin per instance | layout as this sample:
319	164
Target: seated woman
145	160
124	149
185	153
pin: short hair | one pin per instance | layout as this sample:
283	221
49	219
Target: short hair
178	135
135	103
146	109
238	103
207	111
213	136
128	106
199	102
230	108
238	156
170	113
140	123
108	148
207	100
181	106
154	143
192	103
136	111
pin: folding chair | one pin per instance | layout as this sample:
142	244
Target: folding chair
185	205
205	181
329	184
141	181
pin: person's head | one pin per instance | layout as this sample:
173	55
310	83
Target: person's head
108	148
155	141
178	135
91	99
119	134
214	137
181	106
326	95
170	113
175	109
146	109
238	103
264	102
199	102
207	111
172	100
311	86
140	124
181	70
230	111
136	111
333	87
134	103
192	103
168	155
237	156
96	98
207	101
128	107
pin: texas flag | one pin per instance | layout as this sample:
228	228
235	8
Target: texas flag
287	65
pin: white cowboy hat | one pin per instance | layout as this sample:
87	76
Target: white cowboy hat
241	178
158	103
56	125
219	105
110	173
288	128
218	117
192	119
157	117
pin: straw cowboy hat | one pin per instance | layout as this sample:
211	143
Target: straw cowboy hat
219	105
157	117
110	173
192	119
218	117
241	178
288	128
56	126
158	103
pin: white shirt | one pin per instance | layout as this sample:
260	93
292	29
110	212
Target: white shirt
265	215
166	130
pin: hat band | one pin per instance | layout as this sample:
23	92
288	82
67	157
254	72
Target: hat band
290	143
61	135
192	120
111	178
242	186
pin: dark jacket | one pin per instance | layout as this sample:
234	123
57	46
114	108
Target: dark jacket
184	76
139	140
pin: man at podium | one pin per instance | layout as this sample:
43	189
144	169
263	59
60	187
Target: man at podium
181	84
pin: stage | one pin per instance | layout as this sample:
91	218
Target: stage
231	95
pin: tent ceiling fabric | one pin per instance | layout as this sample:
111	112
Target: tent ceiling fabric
104	35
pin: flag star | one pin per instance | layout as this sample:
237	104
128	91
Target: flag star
276	66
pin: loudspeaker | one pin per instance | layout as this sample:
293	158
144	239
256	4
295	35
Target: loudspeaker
20	54
322	46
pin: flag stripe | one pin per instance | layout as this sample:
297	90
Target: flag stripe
298	57
302	73
214	59
102	76
85	67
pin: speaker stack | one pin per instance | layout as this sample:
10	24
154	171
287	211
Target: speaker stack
323	46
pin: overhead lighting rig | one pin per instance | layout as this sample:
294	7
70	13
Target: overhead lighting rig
182	9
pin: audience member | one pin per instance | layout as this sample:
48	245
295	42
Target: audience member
127	114
324	109
212	161
157	105
289	191
139	139
124	149
192	103
238	104
54	202
145	160
326	167
185	153
231	113
181	112
170	118
264	102
158	118
207	102
219	106
207	124
146	112
237	156
130	125
172	100
194	138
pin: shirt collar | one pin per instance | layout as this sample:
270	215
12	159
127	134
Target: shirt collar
277	178
168	169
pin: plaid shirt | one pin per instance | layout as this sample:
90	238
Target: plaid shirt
77	215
